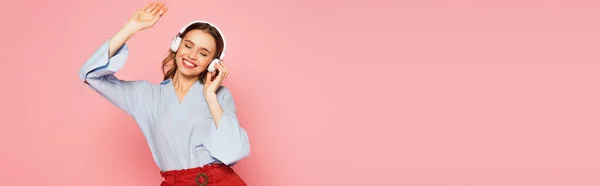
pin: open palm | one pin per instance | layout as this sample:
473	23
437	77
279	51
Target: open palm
148	16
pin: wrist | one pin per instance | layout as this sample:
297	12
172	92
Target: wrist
130	29
210	95
211	98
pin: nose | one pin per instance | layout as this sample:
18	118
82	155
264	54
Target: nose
192	57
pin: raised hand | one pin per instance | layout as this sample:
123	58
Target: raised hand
147	16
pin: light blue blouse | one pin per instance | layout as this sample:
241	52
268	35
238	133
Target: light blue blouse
180	135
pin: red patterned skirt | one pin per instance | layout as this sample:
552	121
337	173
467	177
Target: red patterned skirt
208	175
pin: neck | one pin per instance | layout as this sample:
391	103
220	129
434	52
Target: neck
182	82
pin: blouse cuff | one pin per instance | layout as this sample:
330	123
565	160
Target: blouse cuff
100	64
230	141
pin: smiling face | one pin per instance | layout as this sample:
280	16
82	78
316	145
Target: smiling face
196	51
201	43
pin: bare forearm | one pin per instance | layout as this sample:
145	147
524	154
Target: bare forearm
120	38
215	109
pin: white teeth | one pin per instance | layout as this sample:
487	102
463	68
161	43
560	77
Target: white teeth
189	64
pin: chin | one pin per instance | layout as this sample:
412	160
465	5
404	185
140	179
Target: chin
189	72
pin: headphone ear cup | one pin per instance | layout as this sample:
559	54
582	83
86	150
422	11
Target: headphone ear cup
175	44
211	66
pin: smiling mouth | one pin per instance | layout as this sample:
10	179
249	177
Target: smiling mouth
189	64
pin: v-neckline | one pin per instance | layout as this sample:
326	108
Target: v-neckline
185	97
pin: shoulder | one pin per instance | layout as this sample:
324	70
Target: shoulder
225	97
142	86
148	84
223	90
162	84
224	93
165	82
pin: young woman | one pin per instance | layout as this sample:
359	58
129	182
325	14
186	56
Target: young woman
189	120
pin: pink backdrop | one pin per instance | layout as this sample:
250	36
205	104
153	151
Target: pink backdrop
423	93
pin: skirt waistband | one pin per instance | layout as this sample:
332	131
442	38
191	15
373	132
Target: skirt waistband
200	175
204	169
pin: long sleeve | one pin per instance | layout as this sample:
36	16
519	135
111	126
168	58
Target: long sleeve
229	143
99	72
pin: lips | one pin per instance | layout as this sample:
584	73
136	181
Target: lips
189	64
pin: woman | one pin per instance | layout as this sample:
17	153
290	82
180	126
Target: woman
189	120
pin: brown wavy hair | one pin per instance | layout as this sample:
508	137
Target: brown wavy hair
168	65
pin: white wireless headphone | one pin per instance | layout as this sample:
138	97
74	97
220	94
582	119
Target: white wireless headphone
177	41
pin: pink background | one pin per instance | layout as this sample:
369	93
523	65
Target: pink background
423	93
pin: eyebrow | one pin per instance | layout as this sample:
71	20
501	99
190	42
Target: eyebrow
187	40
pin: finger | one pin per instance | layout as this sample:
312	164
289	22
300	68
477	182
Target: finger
146	7
222	73
215	74
157	8
218	67
225	69
163	11
223	65
218	80
208	78
159	14
151	6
